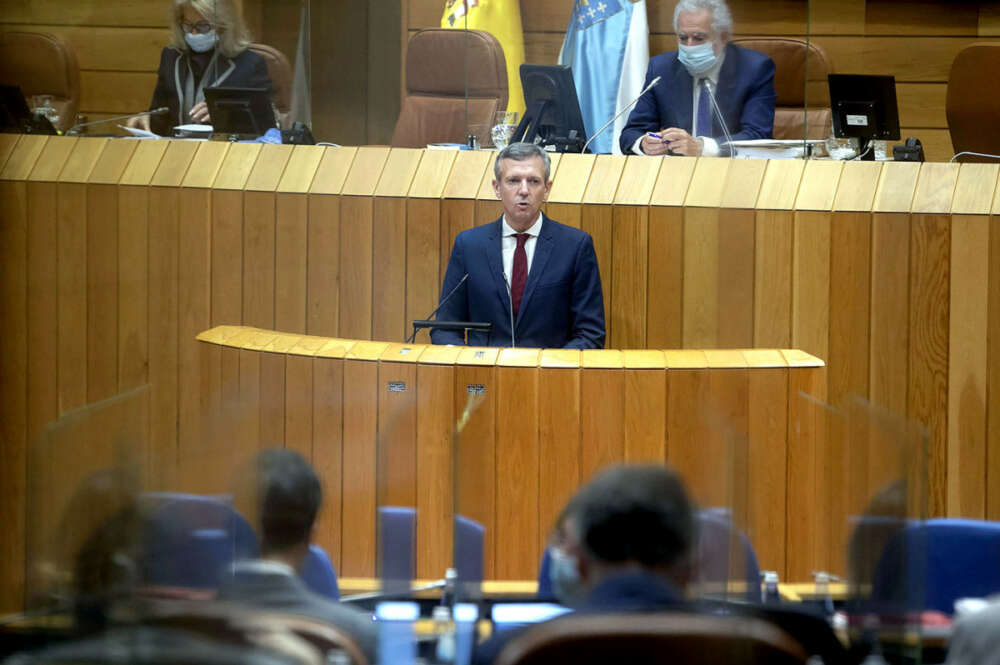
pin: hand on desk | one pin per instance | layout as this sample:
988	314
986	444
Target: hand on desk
140	122
199	113
671	141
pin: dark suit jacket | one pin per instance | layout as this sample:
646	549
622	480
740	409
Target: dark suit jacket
562	305
246	70
288	594
745	93
633	592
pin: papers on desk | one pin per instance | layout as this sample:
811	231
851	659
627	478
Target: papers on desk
135	132
773	148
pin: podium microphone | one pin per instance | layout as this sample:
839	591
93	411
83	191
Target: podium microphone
731	152
652	84
409	340
76	128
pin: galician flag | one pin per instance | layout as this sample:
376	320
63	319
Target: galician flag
502	19
607	45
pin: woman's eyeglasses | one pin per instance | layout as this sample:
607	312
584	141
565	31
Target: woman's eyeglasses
201	27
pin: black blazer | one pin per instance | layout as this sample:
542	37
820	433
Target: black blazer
246	70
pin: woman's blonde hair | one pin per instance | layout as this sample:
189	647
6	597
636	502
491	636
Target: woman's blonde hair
224	15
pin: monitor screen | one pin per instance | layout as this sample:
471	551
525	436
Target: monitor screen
240	111
552	115
864	106
513	615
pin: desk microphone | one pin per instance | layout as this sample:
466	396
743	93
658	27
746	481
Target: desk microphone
409	340
652	84
722	121
510	304
76	128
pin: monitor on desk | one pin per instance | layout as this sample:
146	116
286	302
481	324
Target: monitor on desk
552	116
506	616
244	112
864	107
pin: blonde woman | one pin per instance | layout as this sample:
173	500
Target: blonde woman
208	48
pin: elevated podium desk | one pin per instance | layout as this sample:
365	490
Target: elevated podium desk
376	419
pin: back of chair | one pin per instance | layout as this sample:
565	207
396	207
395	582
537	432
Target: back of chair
281	75
651	639
973	103
794	60
318	573
42	64
443	67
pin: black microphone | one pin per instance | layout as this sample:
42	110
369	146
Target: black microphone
409	340
652	84
75	128
731	151
510	304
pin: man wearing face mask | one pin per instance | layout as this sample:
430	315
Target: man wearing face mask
624	543
208	47
676	117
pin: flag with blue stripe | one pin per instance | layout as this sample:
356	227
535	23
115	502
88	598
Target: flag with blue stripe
607	46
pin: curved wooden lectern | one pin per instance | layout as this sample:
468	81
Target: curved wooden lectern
377	420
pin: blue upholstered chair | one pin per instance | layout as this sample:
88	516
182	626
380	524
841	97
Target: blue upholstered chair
928	565
318	573
397	545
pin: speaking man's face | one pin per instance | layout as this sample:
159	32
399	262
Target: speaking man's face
523	189
695	28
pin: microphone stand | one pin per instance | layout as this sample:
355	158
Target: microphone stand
632	103
75	129
722	121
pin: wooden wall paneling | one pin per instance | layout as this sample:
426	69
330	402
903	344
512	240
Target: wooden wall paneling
25	154
291	276
700	303
226	382
890	313
773	255
517	464
805	549
664	306
397	426
989	20
210	388
727	421
361	422
102	269
884	17
15	362
389	246
329	400
767	457
558	434
568	189
256	170
357	243
630	254
425	241
930	302
163	322
458	209
7	144
325	260
300	402
602	404
645	407
735	281
993	370
597	219
274	391
435	483
475	448
488	206
133	264
687	428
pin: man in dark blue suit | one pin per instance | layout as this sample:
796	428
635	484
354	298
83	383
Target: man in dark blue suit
534	279
676	116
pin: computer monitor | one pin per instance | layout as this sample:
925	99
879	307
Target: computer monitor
16	117
507	616
243	112
864	107
552	114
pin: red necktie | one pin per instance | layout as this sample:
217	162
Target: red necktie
520	272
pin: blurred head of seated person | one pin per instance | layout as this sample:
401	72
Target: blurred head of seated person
624	543
677	116
288	498
208	47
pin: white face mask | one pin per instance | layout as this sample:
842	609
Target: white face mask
564	573
697	59
201	42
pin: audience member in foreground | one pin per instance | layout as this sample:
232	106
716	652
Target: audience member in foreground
625	545
288	499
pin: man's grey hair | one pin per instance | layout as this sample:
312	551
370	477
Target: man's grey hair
722	18
520	152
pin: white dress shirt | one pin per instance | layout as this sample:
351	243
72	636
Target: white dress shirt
508	243
710	147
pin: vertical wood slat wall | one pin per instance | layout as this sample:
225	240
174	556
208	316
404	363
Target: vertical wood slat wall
692	409
878	269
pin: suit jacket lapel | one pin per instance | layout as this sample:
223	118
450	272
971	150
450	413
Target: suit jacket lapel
494	255
543	249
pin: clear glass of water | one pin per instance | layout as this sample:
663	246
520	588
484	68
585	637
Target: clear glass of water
504	125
